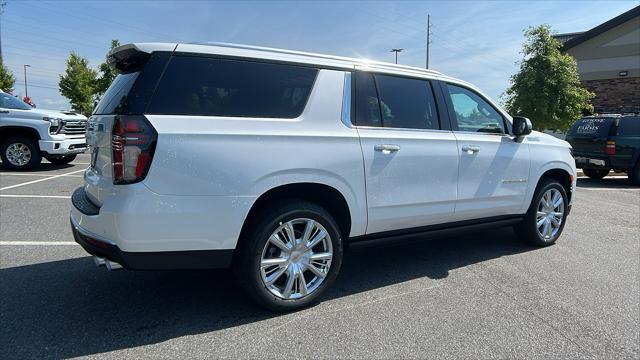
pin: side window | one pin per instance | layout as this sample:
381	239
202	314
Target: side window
472	113
366	102
218	87
629	126
407	103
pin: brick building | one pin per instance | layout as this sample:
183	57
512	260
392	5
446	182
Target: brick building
608	58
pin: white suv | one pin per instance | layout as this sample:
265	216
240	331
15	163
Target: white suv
27	134
274	161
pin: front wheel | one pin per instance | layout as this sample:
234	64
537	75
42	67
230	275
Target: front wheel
596	173
289	256
19	153
544	221
61	160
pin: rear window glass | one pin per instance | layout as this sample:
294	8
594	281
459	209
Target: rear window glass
591	127
234	88
406	103
115	97
629	126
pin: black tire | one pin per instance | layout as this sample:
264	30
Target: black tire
527	230
246	264
634	174
34	153
596	174
61	160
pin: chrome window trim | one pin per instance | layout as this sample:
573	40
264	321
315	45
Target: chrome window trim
346	100
402	129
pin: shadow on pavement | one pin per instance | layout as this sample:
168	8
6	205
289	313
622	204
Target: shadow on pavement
611	183
43	166
70	308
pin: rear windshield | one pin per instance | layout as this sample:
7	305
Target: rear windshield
629	126
114	99
220	87
591	127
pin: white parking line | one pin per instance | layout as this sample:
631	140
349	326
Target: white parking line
36	196
28	174
37	243
40	180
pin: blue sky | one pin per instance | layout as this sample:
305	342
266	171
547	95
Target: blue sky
475	41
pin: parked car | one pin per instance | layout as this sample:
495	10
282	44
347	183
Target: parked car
274	161
605	142
27	134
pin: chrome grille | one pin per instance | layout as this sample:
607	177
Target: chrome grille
74	127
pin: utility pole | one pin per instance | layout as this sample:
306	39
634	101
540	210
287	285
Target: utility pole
26	94
428	38
2	5
396	51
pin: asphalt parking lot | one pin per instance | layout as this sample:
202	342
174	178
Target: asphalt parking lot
484	295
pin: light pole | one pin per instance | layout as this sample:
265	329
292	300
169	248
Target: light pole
26	93
396	51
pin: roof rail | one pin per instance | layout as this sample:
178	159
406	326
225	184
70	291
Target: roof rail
316	55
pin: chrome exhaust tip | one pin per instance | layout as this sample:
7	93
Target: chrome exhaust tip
112	265
98	261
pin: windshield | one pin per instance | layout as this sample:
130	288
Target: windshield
9	102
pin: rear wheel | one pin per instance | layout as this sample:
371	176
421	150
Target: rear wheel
19	153
596	173
545	219
61	160
289	256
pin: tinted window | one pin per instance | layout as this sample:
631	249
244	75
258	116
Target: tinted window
217	87
629	126
406	103
591	127
367	106
473	113
115	97
10	102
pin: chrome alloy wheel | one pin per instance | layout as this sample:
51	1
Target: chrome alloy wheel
18	154
550	214
296	258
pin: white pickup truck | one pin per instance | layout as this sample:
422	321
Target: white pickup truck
27	134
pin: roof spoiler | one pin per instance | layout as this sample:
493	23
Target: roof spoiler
127	58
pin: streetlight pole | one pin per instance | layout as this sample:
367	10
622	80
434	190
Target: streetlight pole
26	93
396	51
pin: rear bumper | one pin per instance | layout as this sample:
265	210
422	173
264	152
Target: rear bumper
63	147
163	260
143	230
586	162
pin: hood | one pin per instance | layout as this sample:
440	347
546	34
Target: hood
57	114
537	136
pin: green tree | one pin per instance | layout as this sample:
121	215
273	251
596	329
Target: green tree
78	84
107	73
7	80
547	87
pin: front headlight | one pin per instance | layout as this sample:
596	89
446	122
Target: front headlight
53	121
55	124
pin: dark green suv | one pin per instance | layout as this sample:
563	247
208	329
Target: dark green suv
603	143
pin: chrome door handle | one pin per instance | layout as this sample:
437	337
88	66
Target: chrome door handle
386	148
471	149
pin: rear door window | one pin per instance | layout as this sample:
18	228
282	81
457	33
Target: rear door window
233	88
394	102
407	103
591	127
629	126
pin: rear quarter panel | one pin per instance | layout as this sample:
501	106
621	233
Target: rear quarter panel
245	157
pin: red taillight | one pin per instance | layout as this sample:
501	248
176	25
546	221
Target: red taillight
133	140
611	148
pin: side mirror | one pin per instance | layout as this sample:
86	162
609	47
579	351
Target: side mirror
521	126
